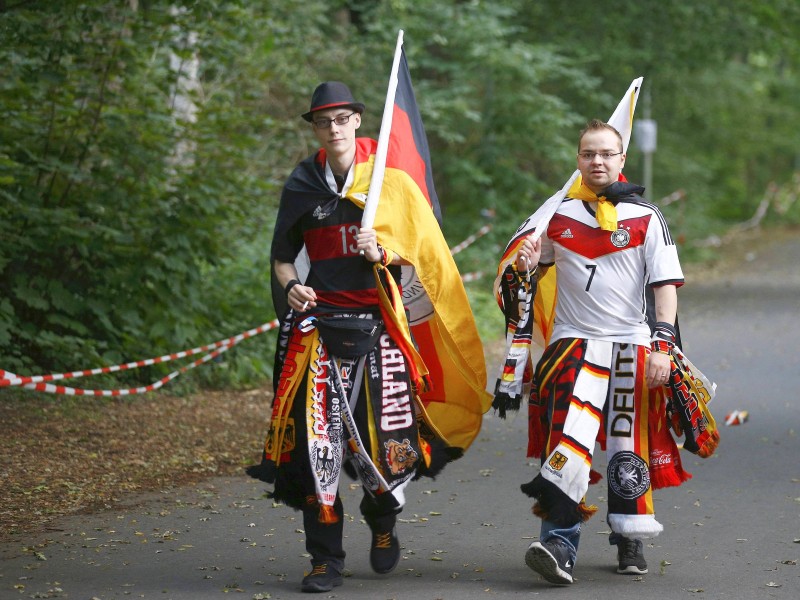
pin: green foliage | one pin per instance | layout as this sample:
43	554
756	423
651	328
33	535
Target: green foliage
143	144
719	75
492	147
119	202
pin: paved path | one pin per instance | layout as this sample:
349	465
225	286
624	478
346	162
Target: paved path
732	532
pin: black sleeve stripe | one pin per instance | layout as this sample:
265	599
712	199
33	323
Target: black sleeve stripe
664	228
675	282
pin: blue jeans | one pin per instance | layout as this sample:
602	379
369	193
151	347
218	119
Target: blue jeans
571	536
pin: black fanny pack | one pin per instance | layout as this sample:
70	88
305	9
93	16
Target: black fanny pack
349	337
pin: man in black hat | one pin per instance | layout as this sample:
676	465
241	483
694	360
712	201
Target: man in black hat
335	116
345	388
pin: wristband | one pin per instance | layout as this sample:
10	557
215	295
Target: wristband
386	256
290	285
664	331
663	340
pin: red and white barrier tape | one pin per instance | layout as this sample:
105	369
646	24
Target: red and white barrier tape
51	388
471	239
38	382
473	276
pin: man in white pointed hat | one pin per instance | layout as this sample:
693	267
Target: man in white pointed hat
604	359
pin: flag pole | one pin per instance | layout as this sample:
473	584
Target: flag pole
378	169
622	120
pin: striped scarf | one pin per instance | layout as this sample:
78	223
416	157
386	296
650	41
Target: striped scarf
690	392
517	296
589	391
334	385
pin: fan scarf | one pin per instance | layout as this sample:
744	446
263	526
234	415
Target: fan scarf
333	386
517	291
529	309
690	392
593	390
443	352
606	210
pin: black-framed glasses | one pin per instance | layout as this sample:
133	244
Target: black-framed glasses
340	120
587	156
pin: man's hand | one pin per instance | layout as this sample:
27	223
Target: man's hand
367	243
658	369
529	254
301	297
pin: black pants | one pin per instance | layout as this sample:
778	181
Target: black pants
324	541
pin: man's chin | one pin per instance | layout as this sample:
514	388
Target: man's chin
598	183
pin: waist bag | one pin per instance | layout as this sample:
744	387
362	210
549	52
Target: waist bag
349	337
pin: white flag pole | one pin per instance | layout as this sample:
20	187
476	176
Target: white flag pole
622	120
378	169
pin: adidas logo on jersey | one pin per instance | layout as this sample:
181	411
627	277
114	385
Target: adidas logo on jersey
319	213
567	233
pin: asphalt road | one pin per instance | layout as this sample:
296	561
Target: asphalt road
733	531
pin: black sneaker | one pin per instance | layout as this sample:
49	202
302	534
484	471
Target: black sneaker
630	557
384	554
551	560
323	578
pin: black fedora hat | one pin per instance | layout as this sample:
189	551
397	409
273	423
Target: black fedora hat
332	94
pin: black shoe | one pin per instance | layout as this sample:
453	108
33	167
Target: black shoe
323	578
384	554
551	560
630	557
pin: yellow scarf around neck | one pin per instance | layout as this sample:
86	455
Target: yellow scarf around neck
606	211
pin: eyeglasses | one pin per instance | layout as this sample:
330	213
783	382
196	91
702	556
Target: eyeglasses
325	123
587	156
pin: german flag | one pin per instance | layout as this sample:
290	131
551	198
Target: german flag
408	145
441	321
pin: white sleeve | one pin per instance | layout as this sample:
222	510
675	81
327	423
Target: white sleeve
661	253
